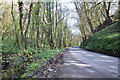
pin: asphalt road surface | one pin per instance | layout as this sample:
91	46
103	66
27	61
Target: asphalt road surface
79	63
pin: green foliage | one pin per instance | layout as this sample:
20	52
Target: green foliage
49	54
105	40
25	74
40	61
31	50
27	38
33	66
84	44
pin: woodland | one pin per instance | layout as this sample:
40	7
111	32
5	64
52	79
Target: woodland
34	32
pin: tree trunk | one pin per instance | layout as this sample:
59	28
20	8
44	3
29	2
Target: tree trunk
21	22
107	8
88	19
37	24
17	40
51	43
29	16
55	27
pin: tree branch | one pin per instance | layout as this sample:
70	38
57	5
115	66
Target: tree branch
62	18
45	21
29	16
96	5
44	17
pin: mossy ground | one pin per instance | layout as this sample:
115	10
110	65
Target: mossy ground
105	41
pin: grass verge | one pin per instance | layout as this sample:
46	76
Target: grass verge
105	41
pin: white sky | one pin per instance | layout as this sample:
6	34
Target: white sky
70	20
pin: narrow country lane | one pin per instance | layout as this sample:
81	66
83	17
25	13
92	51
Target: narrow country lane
79	63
